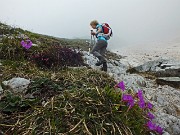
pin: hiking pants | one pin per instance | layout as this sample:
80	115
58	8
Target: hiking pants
99	50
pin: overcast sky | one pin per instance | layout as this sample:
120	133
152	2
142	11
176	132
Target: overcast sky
133	21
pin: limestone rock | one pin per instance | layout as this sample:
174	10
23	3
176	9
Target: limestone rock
171	81
17	84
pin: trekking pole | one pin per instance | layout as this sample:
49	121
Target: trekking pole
89	49
90	44
91	37
94	40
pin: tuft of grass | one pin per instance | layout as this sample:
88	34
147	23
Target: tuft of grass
79	111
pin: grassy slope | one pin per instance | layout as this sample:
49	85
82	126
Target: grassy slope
75	101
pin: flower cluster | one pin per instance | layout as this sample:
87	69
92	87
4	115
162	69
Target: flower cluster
141	101
26	43
129	99
138	99
153	127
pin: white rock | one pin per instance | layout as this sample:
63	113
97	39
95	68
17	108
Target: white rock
148	96
17	84
161	100
176	130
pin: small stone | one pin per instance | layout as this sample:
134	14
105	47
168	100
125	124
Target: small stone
176	130
148	96
1	90
160	87
160	100
165	133
141	83
43	103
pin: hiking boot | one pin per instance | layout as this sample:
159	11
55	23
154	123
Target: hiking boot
99	63
104	68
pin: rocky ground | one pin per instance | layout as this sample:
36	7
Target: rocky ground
157	74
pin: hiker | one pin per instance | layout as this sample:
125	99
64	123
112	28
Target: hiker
100	48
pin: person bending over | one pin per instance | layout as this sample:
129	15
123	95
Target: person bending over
100	48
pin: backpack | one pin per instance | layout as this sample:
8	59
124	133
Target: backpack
107	31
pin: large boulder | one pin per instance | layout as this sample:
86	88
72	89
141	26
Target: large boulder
17	84
150	66
170	72
171	81
166	71
159	67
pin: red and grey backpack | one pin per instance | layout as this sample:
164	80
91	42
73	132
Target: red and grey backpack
107	31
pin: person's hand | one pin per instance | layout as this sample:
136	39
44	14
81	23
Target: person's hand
93	33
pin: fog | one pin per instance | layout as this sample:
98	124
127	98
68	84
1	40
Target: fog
133	21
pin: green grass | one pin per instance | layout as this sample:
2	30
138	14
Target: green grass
74	110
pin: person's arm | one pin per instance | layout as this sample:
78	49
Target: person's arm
98	31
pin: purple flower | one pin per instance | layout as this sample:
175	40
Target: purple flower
129	99
159	130
121	85
151	125
140	95
141	104
150	116
154	127
149	105
26	44
131	103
